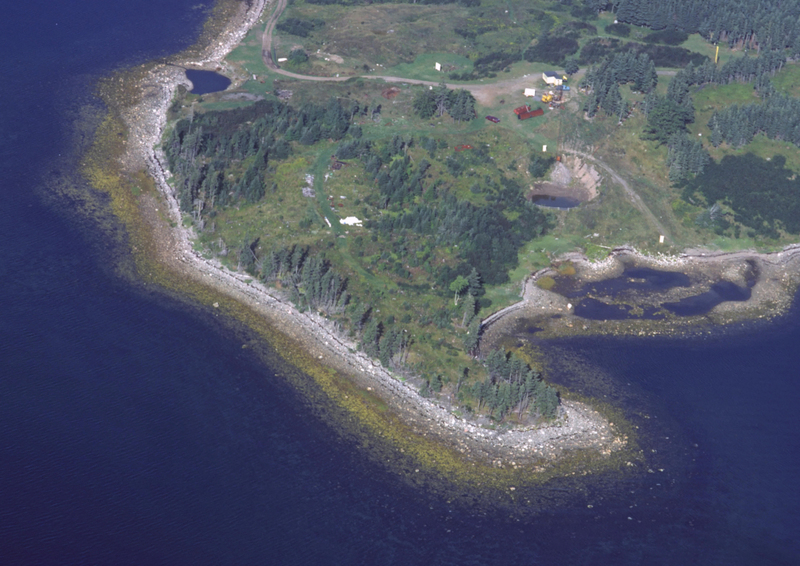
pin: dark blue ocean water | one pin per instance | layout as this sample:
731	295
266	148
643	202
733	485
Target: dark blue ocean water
134	429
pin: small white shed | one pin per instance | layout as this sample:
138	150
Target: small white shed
530	92
351	221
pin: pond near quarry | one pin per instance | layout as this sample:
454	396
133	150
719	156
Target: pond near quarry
205	82
554	201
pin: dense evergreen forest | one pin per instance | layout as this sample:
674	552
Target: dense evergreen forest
228	159
758	24
762	194
219	158
602	82
778	118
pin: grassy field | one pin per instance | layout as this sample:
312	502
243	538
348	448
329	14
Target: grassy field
712	98
423	66
381	35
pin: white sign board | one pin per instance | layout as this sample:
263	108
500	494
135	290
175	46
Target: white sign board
437	66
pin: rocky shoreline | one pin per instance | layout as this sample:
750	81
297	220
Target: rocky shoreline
775	278
578	426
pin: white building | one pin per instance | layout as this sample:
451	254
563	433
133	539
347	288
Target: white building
552	78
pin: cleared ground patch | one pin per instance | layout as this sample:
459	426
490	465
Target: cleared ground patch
379	35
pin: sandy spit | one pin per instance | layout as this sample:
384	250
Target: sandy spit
578	427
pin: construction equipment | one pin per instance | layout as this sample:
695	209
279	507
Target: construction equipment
547	97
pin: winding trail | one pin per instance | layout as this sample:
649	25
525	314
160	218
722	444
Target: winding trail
634	197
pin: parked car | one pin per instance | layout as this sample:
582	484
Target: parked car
493	119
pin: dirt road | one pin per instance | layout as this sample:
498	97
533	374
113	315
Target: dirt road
634	197
485	94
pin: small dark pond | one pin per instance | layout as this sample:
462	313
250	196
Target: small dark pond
554	202
207	81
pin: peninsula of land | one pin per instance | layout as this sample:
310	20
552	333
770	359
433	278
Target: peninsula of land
577	427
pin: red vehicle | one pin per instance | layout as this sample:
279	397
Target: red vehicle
493	119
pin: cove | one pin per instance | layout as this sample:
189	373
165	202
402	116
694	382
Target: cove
626	297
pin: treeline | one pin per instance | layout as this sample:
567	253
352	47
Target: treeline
310	279
662	55
222	157
778	118
399	181
380	339
313	284
763	24
686	157
458	104
602	82
742	70
668	116
513	386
